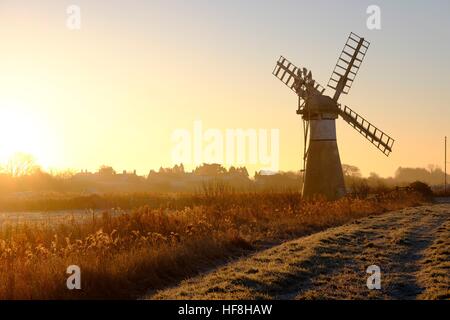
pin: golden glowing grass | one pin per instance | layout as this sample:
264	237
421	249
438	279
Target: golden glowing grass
123	256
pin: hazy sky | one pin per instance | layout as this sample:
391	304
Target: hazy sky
114	91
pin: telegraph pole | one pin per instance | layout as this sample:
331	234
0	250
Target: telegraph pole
445	166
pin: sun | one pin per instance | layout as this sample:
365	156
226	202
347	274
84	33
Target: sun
21	131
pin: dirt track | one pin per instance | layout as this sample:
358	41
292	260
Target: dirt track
410	246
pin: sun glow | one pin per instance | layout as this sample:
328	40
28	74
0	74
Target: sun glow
22	131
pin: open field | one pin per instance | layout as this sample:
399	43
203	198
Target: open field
126	255
411	246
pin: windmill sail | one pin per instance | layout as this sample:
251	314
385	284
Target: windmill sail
348	64
377	137
298	80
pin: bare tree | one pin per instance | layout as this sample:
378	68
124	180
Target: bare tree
21	164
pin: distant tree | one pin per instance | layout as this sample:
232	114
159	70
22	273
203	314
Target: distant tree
376	182
291	181
213	170
178	168
106	171
351	171
21	164
241	172
152	173
63	174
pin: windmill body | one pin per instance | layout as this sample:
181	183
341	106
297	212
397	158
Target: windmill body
323	175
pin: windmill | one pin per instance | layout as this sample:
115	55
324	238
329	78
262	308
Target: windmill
321	163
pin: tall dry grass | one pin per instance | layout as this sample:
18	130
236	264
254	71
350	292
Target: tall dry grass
122	256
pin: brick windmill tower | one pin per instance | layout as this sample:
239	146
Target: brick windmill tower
321	162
